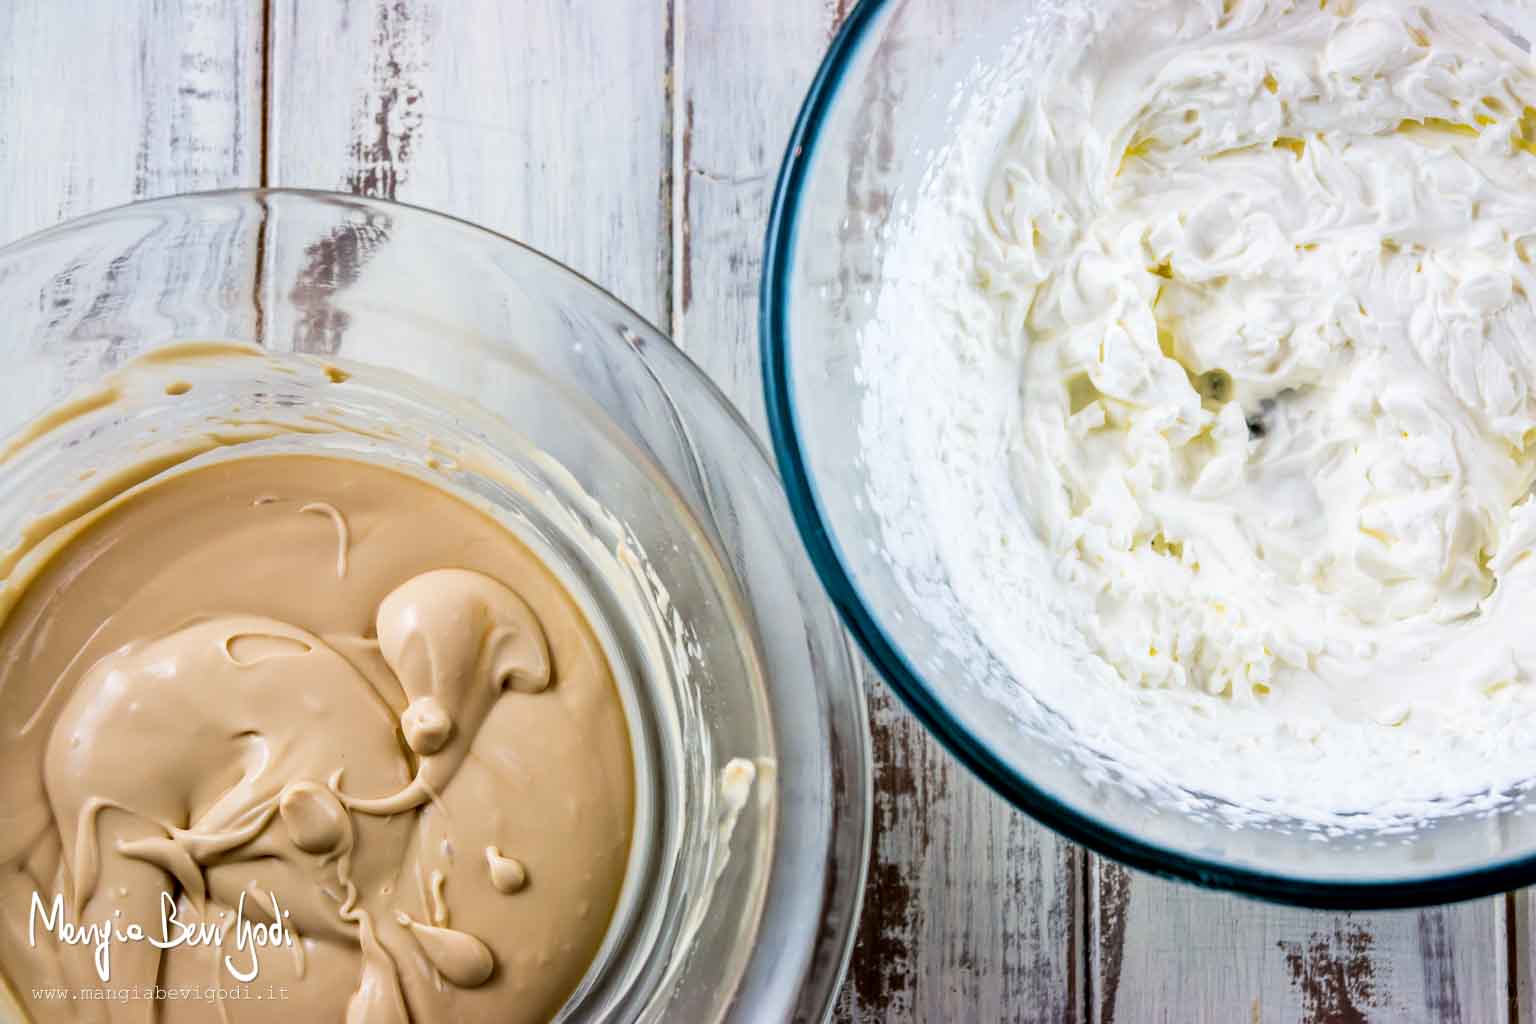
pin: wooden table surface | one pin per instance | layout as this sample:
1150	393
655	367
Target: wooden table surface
637	140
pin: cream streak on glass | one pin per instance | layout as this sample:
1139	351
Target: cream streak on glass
1259	276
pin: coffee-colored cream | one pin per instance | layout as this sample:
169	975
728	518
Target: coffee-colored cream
320	684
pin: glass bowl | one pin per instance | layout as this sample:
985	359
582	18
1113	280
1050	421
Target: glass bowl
402	335
879	117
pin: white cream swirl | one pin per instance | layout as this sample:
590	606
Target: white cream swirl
1268	270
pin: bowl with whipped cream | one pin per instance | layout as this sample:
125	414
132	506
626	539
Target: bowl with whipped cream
394	627
1155	386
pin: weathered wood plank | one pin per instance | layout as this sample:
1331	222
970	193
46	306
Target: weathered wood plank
969	914
103	102
1521	909
734	111
1163	952
542	119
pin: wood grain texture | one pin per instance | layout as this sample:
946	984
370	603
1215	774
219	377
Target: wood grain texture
969	914
1521	909
103	102
733	113
542	119
1165	952
971	910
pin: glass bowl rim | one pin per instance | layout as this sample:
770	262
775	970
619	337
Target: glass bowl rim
827	556
817	971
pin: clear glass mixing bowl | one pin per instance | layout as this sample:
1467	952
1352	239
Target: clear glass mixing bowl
407	336
899	76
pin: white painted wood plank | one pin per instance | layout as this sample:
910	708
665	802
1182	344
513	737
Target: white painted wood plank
102	102
741	72
1521	909
969	914
1167	952
542	119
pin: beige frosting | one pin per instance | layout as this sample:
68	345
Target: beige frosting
320	683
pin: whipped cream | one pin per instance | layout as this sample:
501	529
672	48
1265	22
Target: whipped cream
1234	335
